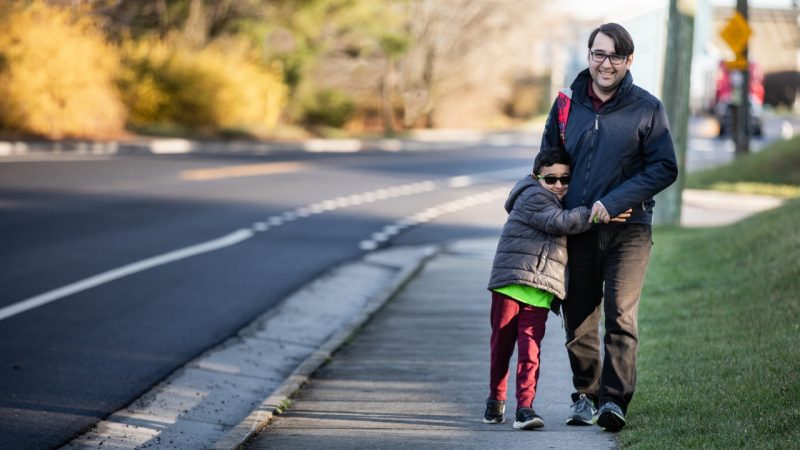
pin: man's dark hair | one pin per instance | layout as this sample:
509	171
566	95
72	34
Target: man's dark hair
549	156
623	42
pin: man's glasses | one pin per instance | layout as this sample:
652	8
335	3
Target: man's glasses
615	59
551	179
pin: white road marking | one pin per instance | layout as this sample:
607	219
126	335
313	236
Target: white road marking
356	199
368	245
277	220
426	215
379	237
114	274
50	157
461	181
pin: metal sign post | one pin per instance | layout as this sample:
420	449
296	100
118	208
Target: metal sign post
736	34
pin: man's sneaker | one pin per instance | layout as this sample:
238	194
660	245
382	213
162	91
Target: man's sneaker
527	419
494	411
610	417
582	411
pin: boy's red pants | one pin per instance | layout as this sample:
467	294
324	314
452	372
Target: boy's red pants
513	323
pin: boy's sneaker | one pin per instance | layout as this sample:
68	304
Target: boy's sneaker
582	411
610	417
494	411
527	419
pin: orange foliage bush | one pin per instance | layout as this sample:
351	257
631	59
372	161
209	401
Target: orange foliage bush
56	74
221	86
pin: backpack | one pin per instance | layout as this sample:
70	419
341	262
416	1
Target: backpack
563	102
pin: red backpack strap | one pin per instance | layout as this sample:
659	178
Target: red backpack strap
563	103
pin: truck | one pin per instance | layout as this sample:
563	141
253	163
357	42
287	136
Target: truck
724	104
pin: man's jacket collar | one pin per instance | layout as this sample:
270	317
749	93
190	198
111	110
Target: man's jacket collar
580	89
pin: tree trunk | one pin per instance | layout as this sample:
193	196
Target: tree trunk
675	93
195	30
429	79
387	86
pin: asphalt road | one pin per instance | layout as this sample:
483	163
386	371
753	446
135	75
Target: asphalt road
118	270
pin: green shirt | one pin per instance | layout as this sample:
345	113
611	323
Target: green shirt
527	294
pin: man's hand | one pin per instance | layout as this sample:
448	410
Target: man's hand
600	214
622	217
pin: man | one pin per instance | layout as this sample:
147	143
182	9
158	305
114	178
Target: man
622	152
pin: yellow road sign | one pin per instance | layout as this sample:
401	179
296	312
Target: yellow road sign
740	63
736	33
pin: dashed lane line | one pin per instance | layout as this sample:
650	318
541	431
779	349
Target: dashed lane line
380	238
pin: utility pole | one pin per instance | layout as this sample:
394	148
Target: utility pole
675	95
741	126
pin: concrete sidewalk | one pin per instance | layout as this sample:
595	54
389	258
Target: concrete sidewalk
417	375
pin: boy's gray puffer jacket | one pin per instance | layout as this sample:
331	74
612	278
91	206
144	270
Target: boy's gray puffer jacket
532	250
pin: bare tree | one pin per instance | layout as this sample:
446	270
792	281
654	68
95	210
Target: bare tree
462	43
197	21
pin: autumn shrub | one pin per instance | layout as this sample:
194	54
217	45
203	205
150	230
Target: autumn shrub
220	87
56	73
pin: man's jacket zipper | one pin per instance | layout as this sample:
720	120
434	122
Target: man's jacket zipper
591	157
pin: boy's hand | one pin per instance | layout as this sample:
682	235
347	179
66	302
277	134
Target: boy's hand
622	217
599	213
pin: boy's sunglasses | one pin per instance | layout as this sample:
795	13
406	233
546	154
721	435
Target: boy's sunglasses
551	179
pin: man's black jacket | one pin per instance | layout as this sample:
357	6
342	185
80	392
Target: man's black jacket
623	155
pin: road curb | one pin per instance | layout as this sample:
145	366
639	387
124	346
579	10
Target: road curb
280	398
167	146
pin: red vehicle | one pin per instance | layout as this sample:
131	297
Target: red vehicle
723	108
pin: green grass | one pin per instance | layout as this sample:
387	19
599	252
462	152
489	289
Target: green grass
775	170
719	360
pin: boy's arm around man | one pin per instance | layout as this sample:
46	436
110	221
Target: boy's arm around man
543	211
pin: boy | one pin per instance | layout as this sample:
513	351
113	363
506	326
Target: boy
528	279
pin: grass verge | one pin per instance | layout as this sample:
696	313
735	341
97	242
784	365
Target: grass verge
719	361
775	170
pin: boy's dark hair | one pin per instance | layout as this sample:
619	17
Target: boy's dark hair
549	156
623	42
